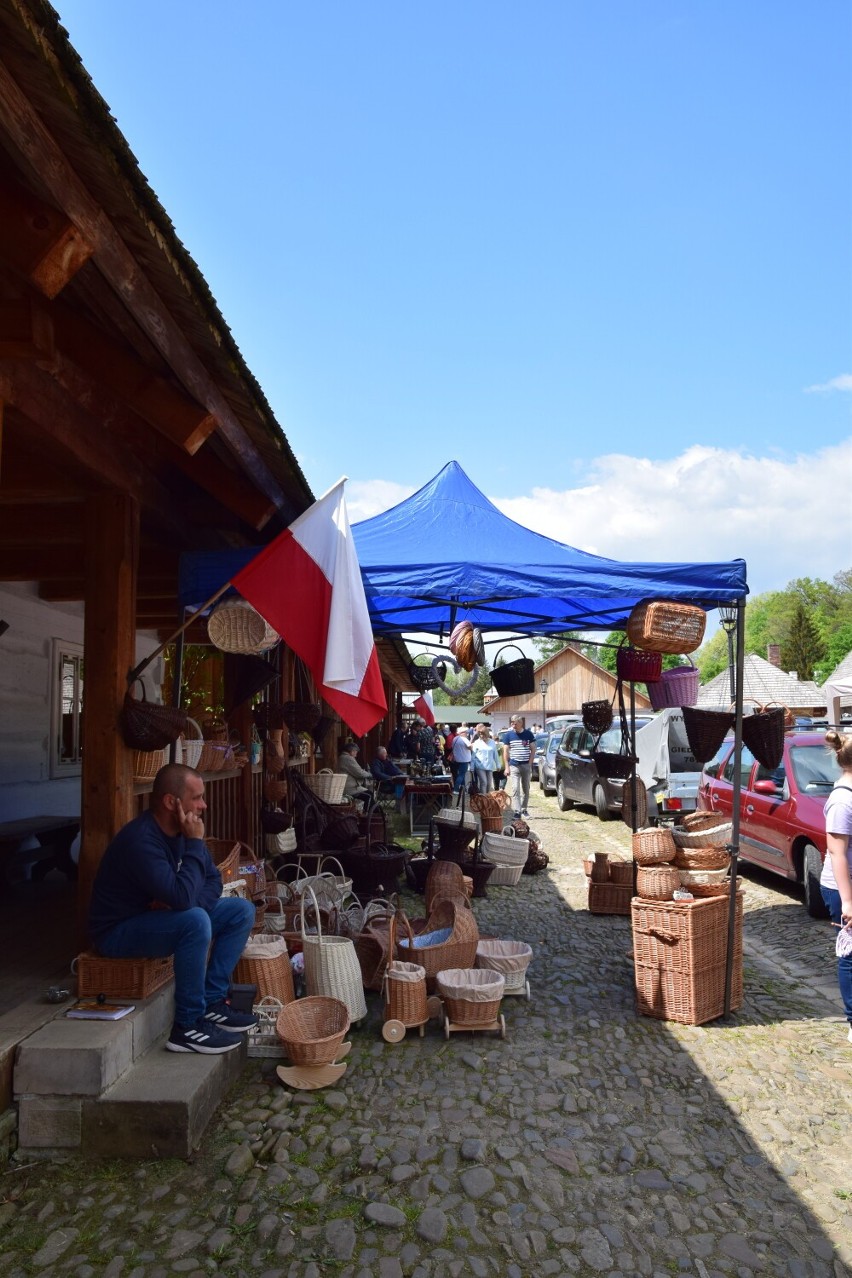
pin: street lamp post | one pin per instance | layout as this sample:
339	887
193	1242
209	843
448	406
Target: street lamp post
542	687
728	622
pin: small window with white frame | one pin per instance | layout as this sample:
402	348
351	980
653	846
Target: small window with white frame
66	753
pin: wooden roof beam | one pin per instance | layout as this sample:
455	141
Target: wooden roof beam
37	240
26	331
164	407
21	123
40	523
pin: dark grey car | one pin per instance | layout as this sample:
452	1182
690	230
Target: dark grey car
577	778
547	762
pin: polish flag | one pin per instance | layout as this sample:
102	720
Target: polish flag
307	584
423	707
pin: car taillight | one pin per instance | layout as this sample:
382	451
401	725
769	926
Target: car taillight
674	804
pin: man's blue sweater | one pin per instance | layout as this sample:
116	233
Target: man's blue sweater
143	865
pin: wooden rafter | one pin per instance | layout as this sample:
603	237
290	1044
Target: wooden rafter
37	240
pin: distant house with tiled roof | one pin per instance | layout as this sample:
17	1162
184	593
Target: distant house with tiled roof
763	682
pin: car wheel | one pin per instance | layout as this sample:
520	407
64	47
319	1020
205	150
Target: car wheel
563	802
811	870
599	796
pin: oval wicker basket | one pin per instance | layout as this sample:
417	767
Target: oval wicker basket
234	626
708	858
715	834
653	846
660	625
701	877
678	687
657	882
147	763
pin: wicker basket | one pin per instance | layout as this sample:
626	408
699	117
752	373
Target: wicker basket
621	872
635	666
404	987
265	964
653	846
609	898
597	716
443	879
331	965
130	978
147	763
706	730
683	935
505	849
709	858
680	951
234	626
678	687
657	882
506	876
763	733
312	1029
513	678
192	746
225	854
510	958
449	940
215	756
471	996
699	877
327	785
662	626
711	833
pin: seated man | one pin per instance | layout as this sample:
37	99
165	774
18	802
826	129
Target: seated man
387	775
356	776
157	892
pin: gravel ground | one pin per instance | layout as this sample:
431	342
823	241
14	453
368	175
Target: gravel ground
591	1141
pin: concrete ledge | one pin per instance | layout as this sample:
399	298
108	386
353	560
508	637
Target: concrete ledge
161	1107
49	1122
83	1058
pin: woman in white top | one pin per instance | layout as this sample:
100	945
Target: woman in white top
485	760
836	879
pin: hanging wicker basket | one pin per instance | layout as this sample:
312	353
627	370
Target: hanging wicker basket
597	716
678	687
636	666
234	626
147	763
514	678
192	746
659	625
706	730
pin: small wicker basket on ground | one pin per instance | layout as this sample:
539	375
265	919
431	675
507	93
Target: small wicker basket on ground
312	1029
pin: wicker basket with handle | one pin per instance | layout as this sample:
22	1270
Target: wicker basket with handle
660	625
404	986
327	785
331	965
677	687
653	846
235	626
192	746
265	964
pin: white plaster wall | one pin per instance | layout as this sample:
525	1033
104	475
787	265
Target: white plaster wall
26	787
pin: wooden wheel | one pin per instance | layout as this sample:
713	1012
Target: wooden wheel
447	1028
527	990
502	1026
434	1007
393	1031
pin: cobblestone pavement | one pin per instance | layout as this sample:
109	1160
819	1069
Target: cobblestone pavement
591	1141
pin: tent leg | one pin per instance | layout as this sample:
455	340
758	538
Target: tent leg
734	846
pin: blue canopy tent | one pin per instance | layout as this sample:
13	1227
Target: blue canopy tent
447	553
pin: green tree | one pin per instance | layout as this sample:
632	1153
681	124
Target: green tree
837	647
473	697
803	646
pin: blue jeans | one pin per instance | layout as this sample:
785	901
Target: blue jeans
461	777
844	965
188	935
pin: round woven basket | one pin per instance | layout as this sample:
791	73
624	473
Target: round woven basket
237	627
312	1029
702	877
714	833
653	846
702	858
657	882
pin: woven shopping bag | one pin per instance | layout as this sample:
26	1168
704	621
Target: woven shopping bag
331	965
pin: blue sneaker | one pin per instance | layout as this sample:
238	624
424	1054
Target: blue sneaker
227	1018
202	1037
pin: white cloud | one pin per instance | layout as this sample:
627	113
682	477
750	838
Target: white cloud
841	383
787	516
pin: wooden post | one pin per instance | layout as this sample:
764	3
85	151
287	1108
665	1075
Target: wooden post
112	546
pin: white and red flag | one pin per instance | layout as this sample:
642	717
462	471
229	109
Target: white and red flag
307	584
423	707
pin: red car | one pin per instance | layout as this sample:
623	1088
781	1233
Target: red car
782	827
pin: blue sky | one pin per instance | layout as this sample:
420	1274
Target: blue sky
599	253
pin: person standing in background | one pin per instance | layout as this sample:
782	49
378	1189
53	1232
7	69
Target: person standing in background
519	743
485	760
836	878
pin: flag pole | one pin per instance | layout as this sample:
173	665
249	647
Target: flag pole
143	665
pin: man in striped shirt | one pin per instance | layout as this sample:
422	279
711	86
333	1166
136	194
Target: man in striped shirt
520	744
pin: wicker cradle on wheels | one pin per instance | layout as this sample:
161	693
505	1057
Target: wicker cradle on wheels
449	940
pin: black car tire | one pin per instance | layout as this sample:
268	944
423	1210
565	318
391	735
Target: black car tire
599	798
811	870
563	802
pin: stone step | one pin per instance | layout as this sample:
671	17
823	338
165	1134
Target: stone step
160	1107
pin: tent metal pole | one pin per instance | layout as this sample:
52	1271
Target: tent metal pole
734	845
